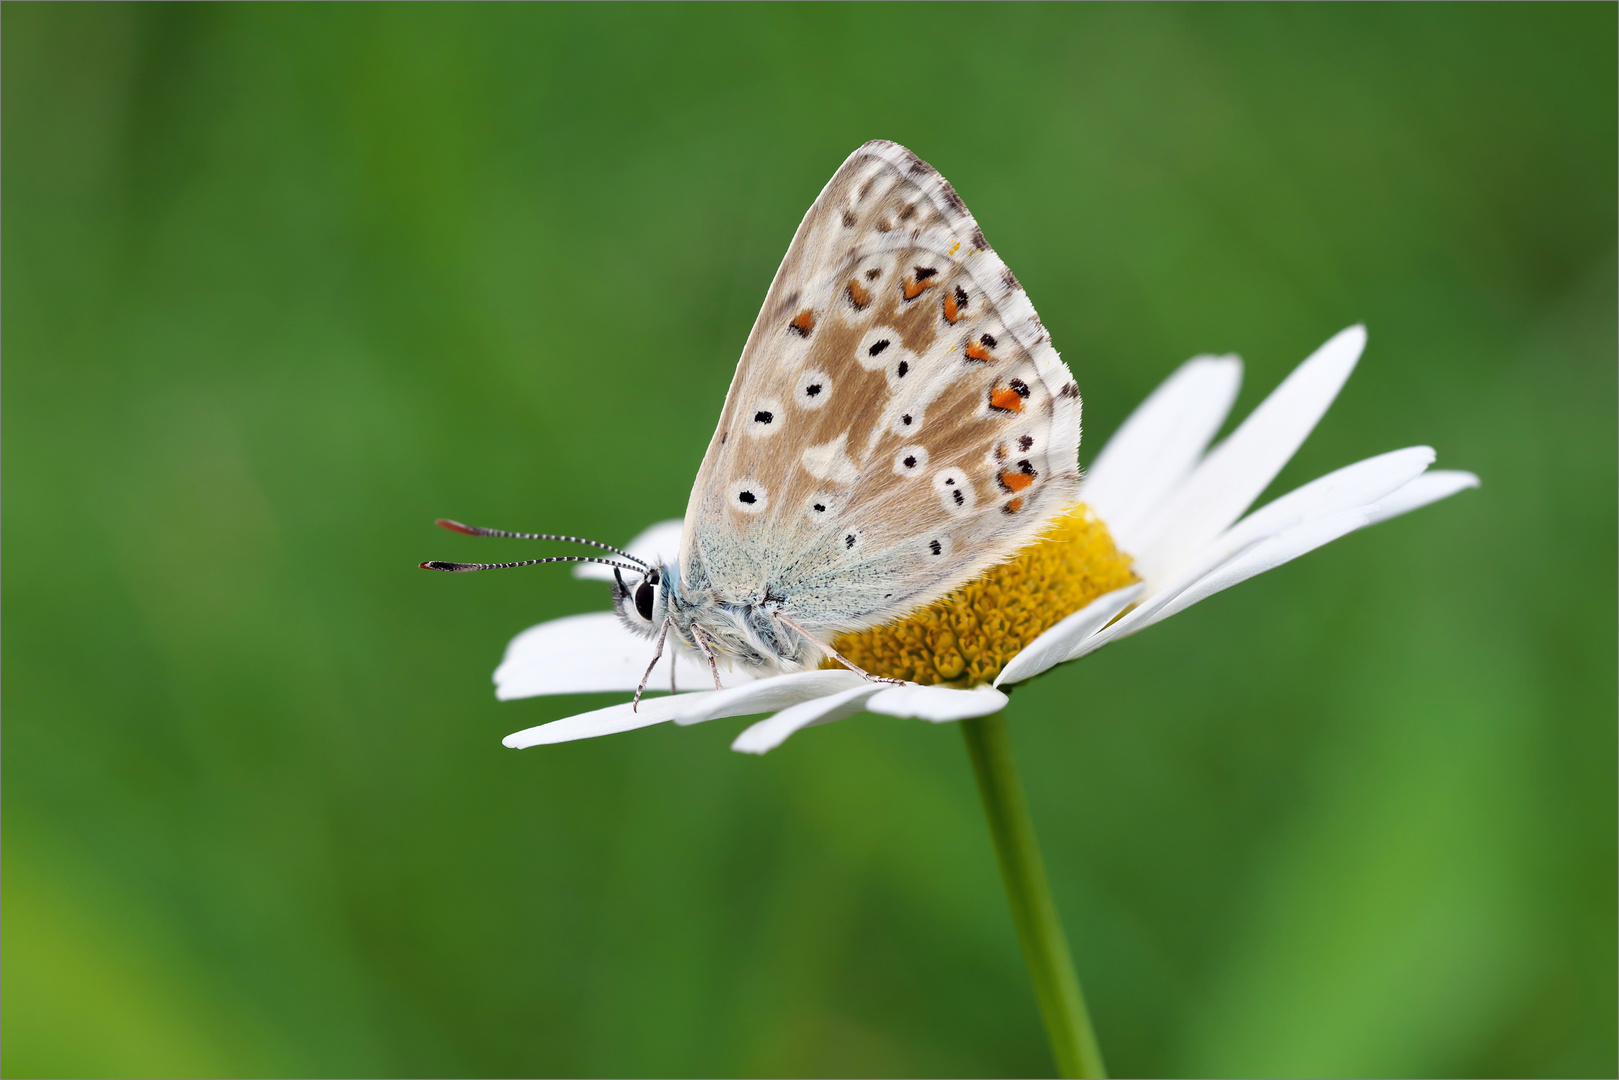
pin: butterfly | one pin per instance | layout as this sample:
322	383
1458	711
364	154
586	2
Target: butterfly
898	422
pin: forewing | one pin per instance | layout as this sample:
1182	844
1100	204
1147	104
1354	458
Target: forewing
899	420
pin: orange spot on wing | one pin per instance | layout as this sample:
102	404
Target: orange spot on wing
976	351
1014	506
952	313
803	323
1014	481
1006	399
914	288
858	296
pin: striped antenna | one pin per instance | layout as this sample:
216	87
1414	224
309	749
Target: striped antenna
477	530
469	567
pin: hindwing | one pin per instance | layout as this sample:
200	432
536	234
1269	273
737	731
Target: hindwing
898	421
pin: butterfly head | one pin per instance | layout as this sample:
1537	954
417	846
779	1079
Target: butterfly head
642	602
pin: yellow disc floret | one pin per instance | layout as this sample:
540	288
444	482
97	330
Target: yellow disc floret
966	638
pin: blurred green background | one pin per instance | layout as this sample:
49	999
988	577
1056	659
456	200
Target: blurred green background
284	283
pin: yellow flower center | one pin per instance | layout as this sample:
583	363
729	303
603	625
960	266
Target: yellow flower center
966	638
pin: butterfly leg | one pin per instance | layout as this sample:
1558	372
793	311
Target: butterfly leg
702	643
834	654
657	653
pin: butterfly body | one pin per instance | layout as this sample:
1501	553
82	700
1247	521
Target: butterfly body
898	422
743	629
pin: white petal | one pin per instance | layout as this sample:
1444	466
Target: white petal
768	734
1360	484
763	695
608	721
1427	488
1360	488
1235	472
1279	549
1206	578
1054	646
939	704
1208	562
1159	443
585	654
760	695
657	545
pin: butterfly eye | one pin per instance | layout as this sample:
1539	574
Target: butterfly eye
643	599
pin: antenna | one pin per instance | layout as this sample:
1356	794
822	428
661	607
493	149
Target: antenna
469	567
477	530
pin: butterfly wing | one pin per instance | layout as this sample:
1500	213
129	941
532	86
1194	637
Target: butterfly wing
898	421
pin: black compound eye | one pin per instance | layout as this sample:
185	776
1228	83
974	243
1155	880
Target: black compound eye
643	599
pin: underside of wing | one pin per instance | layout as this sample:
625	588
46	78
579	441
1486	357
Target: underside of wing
899	420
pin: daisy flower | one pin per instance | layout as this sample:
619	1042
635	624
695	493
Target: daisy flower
1159	527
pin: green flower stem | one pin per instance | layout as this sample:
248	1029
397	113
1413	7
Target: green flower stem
1045	949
